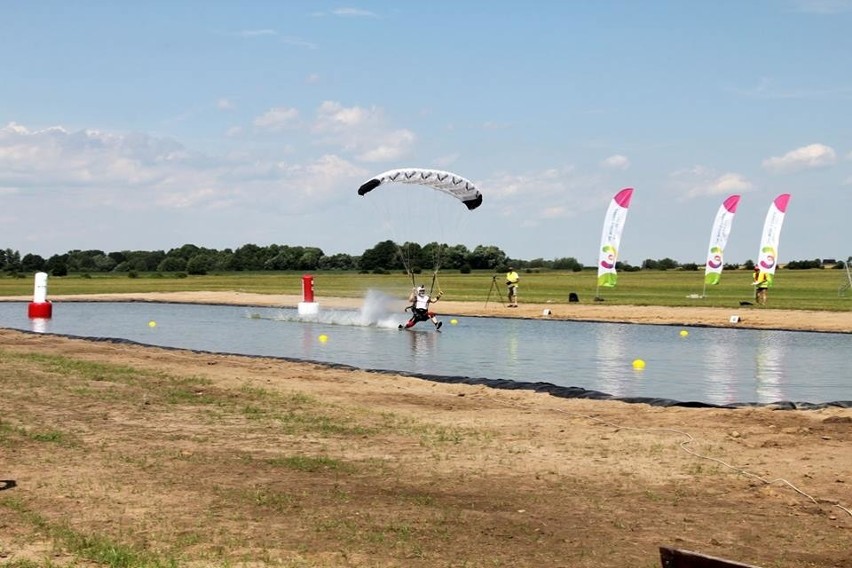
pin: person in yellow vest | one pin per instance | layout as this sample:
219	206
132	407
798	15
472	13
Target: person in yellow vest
512	287
761	285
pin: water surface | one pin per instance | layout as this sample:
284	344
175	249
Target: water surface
711	365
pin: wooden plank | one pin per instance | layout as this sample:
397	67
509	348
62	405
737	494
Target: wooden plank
674	558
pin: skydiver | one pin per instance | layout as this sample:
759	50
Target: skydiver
420	311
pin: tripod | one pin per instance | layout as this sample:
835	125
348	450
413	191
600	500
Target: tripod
495	286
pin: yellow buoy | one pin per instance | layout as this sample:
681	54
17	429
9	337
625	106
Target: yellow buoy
683	333
323	338
152	323
454	321
638	364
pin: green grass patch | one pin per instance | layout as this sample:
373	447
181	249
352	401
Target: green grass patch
811	289
96	548
311	464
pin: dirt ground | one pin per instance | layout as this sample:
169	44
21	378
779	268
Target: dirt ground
114	454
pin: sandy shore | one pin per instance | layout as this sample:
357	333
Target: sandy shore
224	460
228	460
750	317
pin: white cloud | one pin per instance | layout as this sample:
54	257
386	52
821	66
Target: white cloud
353	13
299	42
730	182
392	146
334	116
276	118
225	104
122	172
554	193
806	157
364	132
616	162
699	181
255	33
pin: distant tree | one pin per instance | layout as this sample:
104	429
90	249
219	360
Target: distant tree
248	257
200	264
309	259
56	265
103	263
337	262
383	256
172	264
118	257
569	263
12	261
455	257
185	252
804	264
487	257
32	263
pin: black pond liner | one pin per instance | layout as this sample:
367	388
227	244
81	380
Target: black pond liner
505	384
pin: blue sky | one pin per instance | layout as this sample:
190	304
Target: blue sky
149	125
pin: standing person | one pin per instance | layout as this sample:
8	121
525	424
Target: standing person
761	285
420	311
512	284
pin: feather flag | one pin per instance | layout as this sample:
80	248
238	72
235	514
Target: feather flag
613	226
718	240
767	258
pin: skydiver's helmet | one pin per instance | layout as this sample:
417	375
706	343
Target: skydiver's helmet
421	290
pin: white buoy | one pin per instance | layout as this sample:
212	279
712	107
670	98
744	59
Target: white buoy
40	307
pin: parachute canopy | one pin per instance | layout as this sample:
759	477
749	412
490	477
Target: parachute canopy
452	184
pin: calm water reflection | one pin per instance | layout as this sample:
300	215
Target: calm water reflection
719	366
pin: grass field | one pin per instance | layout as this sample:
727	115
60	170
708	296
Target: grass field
814	289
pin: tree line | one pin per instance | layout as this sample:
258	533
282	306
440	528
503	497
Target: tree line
385	256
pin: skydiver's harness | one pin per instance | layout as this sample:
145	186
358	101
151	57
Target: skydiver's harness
420	307
419	314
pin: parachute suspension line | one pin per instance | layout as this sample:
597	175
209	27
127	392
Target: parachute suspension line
410	213
437	257
435	284
406	263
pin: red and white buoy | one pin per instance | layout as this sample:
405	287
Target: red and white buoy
40	307
307	307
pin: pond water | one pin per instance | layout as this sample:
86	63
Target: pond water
708	365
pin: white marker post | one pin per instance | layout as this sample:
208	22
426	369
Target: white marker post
40	307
